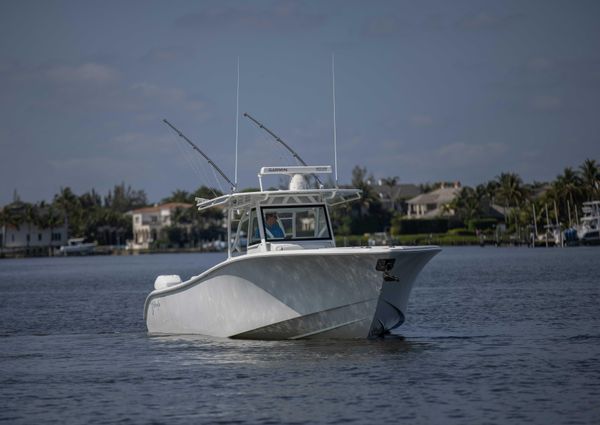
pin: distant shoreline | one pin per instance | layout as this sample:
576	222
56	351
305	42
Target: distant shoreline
411	240
100	251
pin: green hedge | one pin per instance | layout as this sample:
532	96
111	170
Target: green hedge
436	239
419	226
482	224
461	231
415	239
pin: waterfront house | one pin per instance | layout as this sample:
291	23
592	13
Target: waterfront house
18	232
394	197
149	223
435	203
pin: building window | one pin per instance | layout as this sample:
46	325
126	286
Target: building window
56	236
154	219
39	237
137	219
28	238
12	238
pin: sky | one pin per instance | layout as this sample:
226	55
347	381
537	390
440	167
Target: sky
425	91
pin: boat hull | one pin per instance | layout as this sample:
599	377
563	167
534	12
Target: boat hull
82	249
315	293
590	237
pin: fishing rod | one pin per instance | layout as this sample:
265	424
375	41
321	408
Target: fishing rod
294	154
196	148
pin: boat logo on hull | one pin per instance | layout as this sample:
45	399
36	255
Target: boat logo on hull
385	265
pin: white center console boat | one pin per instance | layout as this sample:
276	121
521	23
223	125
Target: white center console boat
284	277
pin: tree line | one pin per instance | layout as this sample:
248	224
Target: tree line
103	218
557	201
471	207
89	215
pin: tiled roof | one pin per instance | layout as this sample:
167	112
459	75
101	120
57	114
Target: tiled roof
439	196
158	208
399	191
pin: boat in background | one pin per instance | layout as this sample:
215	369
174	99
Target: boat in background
77	246
292	283
589	230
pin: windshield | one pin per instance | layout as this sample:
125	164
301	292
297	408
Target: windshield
296	223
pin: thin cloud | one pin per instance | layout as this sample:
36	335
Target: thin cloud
487	21
93	86
136	142
89	73
465	154
153	91
96	168
169	95
535	74
286	16
421	120
539	64
545	103
383	26
453	156
158	55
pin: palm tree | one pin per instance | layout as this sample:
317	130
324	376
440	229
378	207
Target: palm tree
50	218
123	198
512	194
391	183
362	181
491	188
467	204
568	186
90	200
11	216
67	202
30	216
179	196
590	177
510	189
4	220
481	192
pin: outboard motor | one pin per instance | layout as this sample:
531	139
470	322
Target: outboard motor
166	281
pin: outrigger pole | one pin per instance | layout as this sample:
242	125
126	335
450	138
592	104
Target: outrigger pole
233	185
294	154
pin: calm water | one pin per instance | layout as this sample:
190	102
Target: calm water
493	335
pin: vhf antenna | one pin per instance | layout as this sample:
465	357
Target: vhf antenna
334	126
196	148
294	154
237	120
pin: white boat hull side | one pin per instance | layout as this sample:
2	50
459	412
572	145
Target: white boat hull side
220	306
281	295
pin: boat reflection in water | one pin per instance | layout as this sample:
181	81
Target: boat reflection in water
289	280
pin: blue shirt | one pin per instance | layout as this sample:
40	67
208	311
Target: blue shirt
275	231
